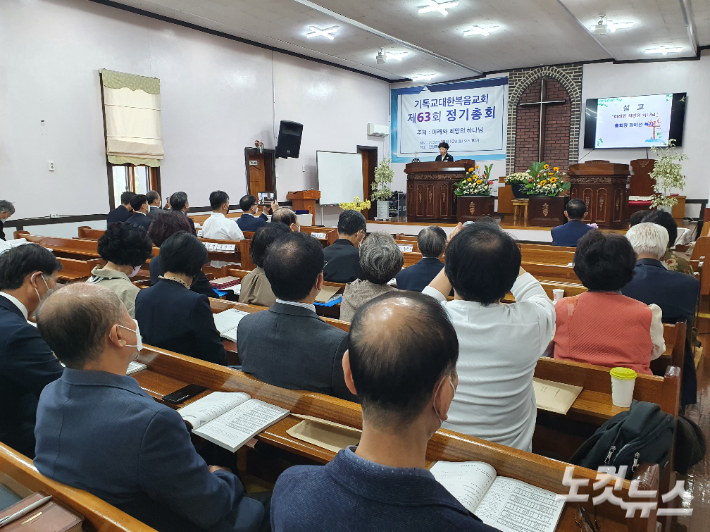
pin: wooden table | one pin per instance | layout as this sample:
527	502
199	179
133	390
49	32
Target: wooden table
520	212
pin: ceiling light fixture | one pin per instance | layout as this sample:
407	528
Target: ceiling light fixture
423	77
665	50
381	57
477	30
397	55
600	27
328	33
436	6
613	26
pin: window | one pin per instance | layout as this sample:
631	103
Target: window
138	179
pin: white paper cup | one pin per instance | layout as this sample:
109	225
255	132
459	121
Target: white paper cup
557	294
622	386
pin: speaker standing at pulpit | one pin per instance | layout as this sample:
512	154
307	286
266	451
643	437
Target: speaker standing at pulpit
444	153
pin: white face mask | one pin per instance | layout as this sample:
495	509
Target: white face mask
46	294
139	341
135	271
441	421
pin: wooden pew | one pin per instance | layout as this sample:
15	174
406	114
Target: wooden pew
77	270
326	235
98	515
87	233
546	256
168	372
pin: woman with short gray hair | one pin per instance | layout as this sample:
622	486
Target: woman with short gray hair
380	260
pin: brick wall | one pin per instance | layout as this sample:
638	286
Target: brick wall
562	121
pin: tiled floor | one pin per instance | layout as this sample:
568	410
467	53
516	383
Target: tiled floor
698	482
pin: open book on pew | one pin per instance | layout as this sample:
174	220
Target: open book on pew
504	503
230	419
227	323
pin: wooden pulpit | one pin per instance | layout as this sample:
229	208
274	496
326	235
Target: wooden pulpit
430	190
602	186
305	200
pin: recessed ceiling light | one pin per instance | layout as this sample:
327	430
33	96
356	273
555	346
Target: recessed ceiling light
397	55
423	77
613	26
663	50
328	33
477	30
436	6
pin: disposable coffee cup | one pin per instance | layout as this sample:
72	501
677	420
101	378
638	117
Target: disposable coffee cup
622	386
557	294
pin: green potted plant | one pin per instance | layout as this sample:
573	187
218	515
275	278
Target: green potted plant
475	184
545	182
517	182
381	190
666	173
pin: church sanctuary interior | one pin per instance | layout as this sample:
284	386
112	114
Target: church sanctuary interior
468	238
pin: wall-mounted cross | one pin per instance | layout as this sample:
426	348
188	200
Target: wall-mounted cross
543	103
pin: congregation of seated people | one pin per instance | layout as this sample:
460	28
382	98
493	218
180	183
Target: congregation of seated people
430	346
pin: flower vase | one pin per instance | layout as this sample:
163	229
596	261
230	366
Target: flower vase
383	210
519	190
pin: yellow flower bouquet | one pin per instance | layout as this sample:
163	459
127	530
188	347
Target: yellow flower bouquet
475	183
356	205
543	182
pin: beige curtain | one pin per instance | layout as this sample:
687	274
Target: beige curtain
132	110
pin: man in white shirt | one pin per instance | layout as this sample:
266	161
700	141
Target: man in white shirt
499	344
218	226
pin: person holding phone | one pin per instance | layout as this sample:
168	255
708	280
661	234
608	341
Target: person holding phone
249	221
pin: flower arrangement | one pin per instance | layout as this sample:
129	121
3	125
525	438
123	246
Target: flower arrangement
545	182
356	205
666	172
518	178
384	174
475	184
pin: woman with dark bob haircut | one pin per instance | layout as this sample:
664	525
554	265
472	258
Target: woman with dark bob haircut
163	227
172	316
601	326
125	248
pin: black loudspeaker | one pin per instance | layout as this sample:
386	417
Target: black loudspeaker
289	144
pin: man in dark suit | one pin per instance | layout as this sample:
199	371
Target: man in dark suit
249	221
179	203
7	209
676	293
98	430
569	233
27	365
432	243
170	314
289	345
342	257
444	153
139	202
123	211
154	205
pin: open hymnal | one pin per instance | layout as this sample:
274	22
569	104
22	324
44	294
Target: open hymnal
230	419
327	293
504	503
555	396
227	322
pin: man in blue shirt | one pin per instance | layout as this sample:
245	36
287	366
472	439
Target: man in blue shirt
249	221
405	387
569	233
432	243
97	429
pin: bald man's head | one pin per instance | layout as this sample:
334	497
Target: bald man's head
75	322
400	345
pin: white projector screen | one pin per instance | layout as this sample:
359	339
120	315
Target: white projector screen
339	177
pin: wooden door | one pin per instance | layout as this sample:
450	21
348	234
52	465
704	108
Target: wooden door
257	173
369	163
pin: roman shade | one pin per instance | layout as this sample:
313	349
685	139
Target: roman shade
132	115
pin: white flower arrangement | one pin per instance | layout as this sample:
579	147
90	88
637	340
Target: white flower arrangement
666	173
518	178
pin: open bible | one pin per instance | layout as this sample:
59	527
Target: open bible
504	503
230	419
227	322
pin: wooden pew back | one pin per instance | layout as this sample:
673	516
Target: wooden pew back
76	270
99	515
326	235
87	233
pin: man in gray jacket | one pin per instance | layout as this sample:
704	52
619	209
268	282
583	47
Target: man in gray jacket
289	345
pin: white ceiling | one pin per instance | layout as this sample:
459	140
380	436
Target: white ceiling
532	32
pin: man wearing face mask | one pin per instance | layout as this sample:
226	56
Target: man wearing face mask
401	363
125	248
27	365
99	431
